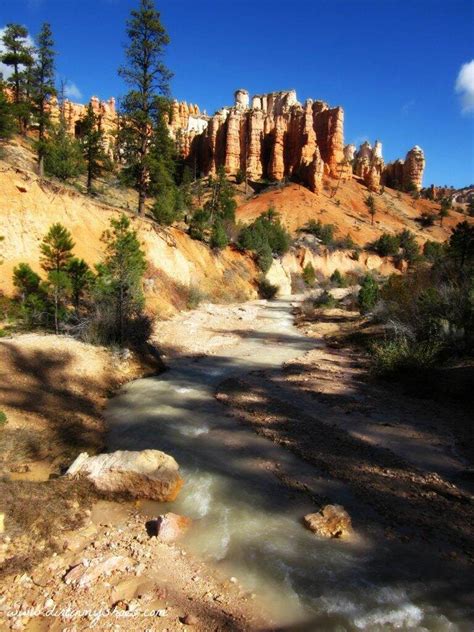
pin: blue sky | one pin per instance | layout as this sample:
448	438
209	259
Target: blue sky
392	64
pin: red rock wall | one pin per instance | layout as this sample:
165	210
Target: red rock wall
275	139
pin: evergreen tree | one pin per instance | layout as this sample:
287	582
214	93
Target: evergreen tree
162	164
309	275
368	293
43	89
32	295
7	123
19	55
370	203
62	153
91	141
56	250
25	280
80	278
409	246
147	77
470	207
219	237
186	188
222	203
461	244
446	204
119	286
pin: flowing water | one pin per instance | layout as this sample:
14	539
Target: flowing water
247	522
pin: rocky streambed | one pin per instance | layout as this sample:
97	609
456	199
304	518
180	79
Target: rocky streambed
247	495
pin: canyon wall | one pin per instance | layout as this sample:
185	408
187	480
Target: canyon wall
271	136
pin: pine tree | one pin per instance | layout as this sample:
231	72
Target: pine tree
56	250
370	203
19	55
7	123
368	293
147	77
31	293
446	205
162	165
222	204
219	237
119	286
461	244
62	153
80	278
91	141
43	88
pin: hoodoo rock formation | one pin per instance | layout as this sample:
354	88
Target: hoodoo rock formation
270	136
408	173
368	164
105	111
275	137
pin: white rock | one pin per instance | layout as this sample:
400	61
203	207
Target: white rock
147	474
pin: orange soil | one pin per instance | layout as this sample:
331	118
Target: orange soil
395	211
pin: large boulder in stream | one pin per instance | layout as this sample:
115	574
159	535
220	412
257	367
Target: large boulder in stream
332	521
146	474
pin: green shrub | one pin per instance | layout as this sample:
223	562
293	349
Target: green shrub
199	224
427	219
409	246
338	279
195	297
3	418
386	245
433	250
309	275
401	354
264	258
345	243
219	237
368	294
266	289
63	155
323	232
325	301
265	236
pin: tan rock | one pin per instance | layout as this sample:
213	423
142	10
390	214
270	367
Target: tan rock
170	526
408	173
413	168
332	521
147	474
85	574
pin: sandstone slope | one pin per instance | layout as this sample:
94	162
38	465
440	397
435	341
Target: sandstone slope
28	206
346	209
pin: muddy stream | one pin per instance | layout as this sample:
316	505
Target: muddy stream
246	521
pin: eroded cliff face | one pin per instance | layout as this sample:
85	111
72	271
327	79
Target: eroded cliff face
368	164
406	174
105	111
270	136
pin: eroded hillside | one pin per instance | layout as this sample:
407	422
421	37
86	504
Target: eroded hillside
346	209
28	206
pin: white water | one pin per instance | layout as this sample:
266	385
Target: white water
247	522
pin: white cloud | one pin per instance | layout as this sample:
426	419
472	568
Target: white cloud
71	91
465	86
6	71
